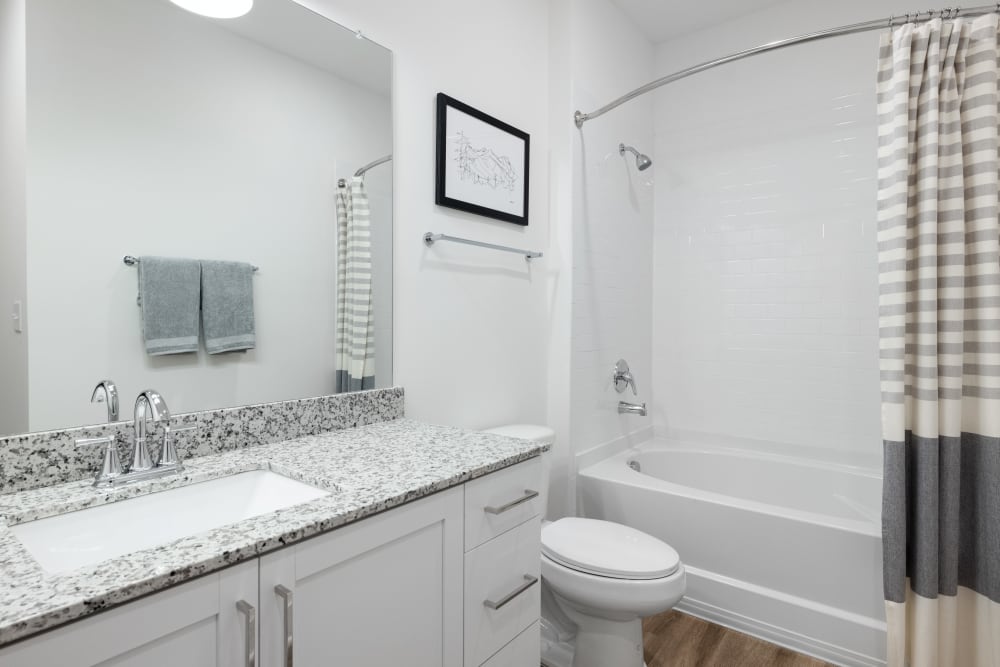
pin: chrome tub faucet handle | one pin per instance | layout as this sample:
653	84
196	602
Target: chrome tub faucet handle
623	377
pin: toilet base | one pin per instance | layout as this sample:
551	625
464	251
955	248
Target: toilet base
597	642
556	653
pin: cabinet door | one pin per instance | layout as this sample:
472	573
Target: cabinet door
195	624
383	591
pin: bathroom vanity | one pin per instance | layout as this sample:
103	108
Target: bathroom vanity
424	551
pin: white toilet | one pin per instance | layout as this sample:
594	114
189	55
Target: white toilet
599	579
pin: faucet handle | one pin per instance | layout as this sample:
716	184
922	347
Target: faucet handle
112	465
623	377
168	453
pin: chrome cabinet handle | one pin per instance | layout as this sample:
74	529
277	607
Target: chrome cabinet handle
529	581
286	597
250	631
528	495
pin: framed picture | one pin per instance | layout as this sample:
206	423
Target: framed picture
482	163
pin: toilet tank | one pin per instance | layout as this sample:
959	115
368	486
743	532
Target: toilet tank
533	432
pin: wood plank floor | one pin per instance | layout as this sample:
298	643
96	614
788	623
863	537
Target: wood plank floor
674	639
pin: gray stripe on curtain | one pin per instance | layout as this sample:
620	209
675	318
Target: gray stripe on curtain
355	345
347	383
941	516
939	284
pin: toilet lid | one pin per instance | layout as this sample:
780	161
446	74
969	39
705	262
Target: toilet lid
608	549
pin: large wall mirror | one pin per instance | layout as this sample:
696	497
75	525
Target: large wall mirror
153	131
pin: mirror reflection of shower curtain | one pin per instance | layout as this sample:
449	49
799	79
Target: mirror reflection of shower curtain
355	318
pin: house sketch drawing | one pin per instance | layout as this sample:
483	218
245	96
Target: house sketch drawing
483	166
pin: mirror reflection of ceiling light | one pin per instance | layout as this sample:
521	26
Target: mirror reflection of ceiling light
216	9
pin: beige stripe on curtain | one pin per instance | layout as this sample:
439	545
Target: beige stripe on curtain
939	333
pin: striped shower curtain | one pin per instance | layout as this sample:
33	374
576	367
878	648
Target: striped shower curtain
355	321
939	325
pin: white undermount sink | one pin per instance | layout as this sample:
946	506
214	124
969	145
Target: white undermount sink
67	541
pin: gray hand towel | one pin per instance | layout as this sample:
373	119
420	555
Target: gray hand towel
169	293
227	306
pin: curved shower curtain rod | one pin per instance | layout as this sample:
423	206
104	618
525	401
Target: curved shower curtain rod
888	22
374	163
342	183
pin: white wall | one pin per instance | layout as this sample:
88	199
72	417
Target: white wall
603	210
13	346
200	144
765	289
471	325
612	249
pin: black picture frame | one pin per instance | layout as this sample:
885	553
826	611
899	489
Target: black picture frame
478	176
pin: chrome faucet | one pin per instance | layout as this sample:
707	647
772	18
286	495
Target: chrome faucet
148	404
622	379
631	408
107	392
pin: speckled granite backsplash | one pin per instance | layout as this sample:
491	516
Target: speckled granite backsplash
50	457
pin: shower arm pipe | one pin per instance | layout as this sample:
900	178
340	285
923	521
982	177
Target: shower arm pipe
580	118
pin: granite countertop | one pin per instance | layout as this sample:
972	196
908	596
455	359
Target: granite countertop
367	470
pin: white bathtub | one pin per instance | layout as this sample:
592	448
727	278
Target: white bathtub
784	548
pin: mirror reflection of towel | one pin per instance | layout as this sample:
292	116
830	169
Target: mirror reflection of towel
169	293
227	306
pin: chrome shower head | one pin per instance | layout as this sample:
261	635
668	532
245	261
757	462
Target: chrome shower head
642	161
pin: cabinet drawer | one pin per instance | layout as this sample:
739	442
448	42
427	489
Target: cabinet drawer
496	503
500	598
524	650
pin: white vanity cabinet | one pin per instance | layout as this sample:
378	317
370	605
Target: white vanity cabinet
383	591
445	581
502	566
196	624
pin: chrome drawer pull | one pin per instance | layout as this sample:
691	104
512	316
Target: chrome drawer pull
246	608
286	596
529	581
528	495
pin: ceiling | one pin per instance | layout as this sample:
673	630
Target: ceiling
661	20
296	31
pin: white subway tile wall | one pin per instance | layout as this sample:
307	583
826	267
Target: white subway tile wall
765	271
612	227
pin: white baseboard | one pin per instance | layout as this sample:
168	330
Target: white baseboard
801	625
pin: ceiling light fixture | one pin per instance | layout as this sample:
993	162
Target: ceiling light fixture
216	9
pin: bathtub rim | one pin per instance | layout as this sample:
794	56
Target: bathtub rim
614	468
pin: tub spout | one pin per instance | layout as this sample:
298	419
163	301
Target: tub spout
631	408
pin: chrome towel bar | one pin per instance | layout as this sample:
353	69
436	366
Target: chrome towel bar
129	260
430	239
